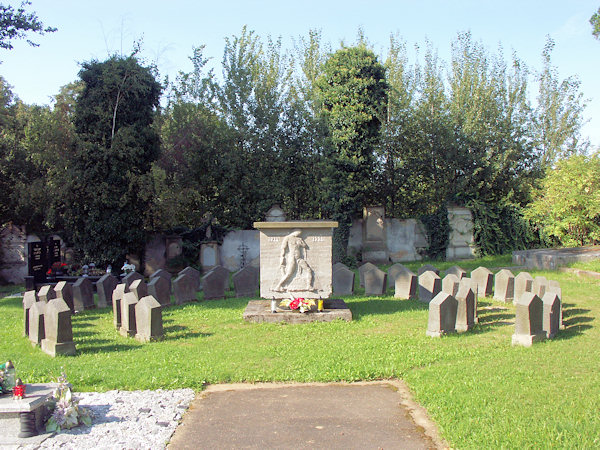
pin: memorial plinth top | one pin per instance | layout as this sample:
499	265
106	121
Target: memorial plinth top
297	224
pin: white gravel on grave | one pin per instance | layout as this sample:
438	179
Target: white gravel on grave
124	420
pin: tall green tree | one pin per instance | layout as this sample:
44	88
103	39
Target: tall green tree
17	23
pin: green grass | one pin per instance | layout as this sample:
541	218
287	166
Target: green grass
481	391
593	266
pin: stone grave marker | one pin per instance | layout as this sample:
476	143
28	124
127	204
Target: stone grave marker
337	265
393	272
148	319
130	278
450	284
458	271
139	288
484	279
442	315
64	290
245	282
362	270
58	329
540	286
405	286
504	286
213	284
465	313
184	289
529	314
343	281
36	322
117	296
193	274
160	288
554	287
375	282
83	294
104	288
163	274
430	284
427	267
523	283
29	298
223	274
551	320
128	322
469	283
46	293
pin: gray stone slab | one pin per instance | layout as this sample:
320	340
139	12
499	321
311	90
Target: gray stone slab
485	281
128	322
362	270
260	311
46	293
551	319
37	330
430	284
148	319
160	288
184	289
540	285
442	315
504	286
83	294
104	288
343	281
450	284
64	290
466	309
58	334
458	271
426	268
139	288
194	274
117	296
213	284
130	278
405	284
375	282
469	283
523	283
29	298
245	282
529	312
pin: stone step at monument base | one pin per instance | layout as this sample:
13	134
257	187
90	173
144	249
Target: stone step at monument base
259	311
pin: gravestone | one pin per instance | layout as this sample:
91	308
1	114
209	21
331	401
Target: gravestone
458	271
148	319
551	320
529	314
374	244
117	296
163	274
554	287
405	285
46	293
523	283
29	298
465	313
504	286
364	269
37	261
337	265
393	272
213	284
128	322
469	283
343	281
295	259
428	267
104	288
160	288
64	290
83	294
58	329
184	289
130	278
450	284
485	281
36	322
245	282
430	284
375	282
442	315
540	286
223	274
193	274
139	288
209	255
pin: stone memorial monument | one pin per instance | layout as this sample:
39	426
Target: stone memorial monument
374	235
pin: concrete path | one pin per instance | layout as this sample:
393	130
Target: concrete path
374	415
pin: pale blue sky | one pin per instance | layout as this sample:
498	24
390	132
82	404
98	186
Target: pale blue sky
94	29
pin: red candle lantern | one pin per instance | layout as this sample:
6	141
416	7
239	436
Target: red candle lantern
19	391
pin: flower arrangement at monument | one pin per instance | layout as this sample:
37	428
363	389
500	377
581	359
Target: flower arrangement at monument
300	304
67	413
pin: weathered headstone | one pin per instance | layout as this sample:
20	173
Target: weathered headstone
540	286
130	278
529	313
485	281
393	272
163	274
374	244
148	319
64	290
337	265
343	281
430	284
213	284
405	285
465	314
223	274
450	284
523	283
364	269
46	293
83	294
458	271
104	288
245	282
29	298
192	273
184	289
554	287
128	322
551	320
426	268
504	286
58	329
375	282
469	283
139	288
117	296
442	315
160	288
36	322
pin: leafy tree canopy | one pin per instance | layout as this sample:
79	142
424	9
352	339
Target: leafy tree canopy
16	24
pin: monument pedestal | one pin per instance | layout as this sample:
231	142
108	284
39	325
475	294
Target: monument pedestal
259	311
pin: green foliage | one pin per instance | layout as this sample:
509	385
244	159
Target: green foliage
567	206
438	230
595	22
16	24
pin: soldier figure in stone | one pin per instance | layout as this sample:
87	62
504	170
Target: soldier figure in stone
292	263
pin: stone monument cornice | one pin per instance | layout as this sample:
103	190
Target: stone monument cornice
296	224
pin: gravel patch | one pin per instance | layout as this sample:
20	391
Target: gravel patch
124	420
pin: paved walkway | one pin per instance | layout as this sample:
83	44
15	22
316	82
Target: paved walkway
374	415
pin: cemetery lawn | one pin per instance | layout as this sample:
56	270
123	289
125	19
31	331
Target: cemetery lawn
481	391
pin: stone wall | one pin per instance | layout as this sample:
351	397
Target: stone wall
13	254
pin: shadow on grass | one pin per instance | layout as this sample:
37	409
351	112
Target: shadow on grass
178	332
103	346
374	307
